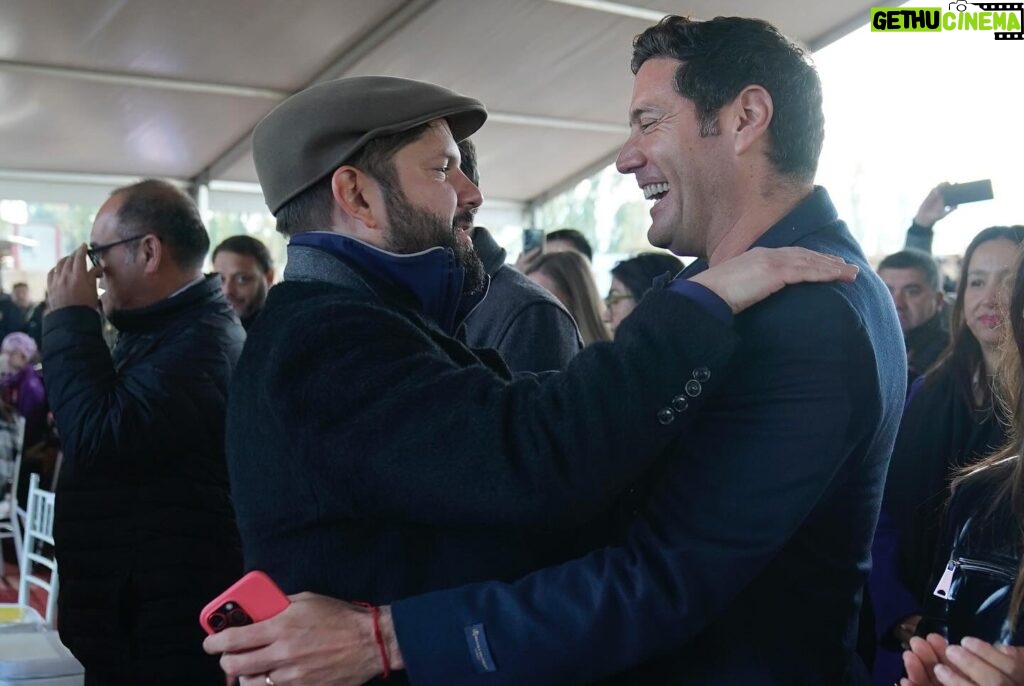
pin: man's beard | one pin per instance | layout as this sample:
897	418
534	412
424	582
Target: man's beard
413	230
253	307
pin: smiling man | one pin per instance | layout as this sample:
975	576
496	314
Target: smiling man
375	456
144	528
246	274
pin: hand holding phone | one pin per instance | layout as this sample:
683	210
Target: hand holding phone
252	598
532	240
972	191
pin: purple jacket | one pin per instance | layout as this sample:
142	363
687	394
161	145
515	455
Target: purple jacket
24	391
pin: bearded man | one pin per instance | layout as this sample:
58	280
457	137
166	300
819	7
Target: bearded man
246	274
372	454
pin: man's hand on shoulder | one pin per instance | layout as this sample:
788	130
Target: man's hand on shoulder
752	276
72	283
316	641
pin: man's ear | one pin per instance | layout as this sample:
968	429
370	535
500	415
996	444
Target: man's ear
269	276
152	252
752	112
357	196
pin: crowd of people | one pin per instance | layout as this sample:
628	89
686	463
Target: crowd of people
776	465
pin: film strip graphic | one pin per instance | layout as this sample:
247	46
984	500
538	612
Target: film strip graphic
1004	7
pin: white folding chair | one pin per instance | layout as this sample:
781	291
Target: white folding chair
12	516
30	649
38	533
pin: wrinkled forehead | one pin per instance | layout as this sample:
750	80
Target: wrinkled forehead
654	87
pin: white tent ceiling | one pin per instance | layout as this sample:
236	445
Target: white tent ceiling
91	90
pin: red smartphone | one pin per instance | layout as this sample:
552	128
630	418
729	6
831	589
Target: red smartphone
252	598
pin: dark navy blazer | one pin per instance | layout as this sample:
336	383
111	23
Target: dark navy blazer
748	545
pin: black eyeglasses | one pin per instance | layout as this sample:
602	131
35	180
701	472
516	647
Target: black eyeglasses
613	298
96	252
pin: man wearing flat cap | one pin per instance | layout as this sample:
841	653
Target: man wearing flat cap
374	456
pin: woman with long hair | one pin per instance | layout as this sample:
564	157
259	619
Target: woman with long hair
566	275
950	422
978	592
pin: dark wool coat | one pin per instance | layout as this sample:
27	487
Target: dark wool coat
144	528
339	438
748	544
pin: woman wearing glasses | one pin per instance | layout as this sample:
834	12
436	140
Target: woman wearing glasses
631	279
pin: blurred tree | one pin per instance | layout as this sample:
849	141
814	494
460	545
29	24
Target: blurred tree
629	232
575	209
73	221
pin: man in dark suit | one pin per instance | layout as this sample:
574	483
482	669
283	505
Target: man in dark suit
739	557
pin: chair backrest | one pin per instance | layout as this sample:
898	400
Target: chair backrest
10	524
38	535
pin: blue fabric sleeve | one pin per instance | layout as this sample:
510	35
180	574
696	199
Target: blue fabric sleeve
705	297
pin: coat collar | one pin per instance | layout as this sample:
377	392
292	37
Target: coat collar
157	315
813	212
430	281
490	253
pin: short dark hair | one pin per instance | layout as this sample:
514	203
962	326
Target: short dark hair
158	207
638	273
311	209
723	56
20	284
574	236
468	165
915	259
247	245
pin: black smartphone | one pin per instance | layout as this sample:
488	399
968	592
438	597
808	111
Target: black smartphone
533	239
972	191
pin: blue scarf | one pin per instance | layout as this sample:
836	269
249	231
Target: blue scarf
434	278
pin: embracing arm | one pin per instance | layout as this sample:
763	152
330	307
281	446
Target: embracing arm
444	443
710	529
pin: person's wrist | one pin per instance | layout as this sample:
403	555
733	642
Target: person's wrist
924	223
387	630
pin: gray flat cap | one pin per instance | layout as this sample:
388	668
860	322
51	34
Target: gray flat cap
314	132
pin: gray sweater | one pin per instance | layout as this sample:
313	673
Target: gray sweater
522	321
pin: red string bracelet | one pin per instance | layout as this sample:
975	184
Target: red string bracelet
378	635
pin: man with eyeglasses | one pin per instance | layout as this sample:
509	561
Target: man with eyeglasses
144	527
247	273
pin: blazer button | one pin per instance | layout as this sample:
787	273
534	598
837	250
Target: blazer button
680	403
692	388
702	374
666	416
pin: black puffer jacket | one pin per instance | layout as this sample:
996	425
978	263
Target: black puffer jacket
145	531
971	589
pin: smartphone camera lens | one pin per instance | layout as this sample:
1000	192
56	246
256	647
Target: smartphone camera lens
218	621
238	617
